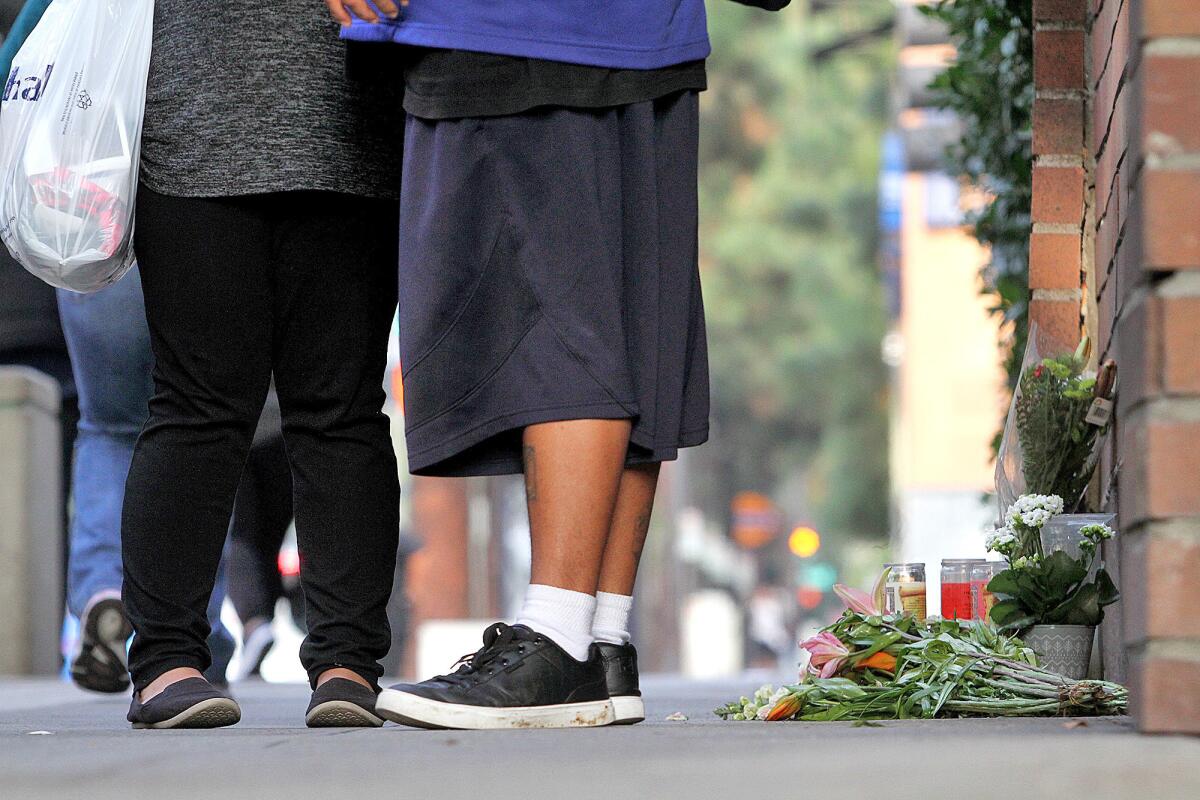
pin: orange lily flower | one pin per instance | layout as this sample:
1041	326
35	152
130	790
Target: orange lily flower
882	661
786	708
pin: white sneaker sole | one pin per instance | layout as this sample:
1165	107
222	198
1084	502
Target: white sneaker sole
421	712
629	710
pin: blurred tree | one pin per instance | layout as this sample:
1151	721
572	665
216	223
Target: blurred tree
789	168
990	88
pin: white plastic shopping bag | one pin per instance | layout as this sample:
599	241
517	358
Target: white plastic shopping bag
70	130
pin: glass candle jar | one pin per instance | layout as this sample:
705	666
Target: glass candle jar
904	589
982	600
956	587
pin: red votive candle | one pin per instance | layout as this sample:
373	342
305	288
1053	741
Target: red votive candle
956	588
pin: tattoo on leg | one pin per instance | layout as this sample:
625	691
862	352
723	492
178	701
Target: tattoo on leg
530	473
641	527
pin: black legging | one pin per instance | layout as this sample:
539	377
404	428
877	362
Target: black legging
301	285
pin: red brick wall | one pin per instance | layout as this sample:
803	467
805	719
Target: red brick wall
1060	173
1138	225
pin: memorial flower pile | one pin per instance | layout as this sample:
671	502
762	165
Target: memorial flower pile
869	666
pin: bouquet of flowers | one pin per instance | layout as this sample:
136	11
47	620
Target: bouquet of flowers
1056	424
1040	589
870	666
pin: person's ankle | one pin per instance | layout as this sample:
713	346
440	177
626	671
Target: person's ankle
171	676
342	672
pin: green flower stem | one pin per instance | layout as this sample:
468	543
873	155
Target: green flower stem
1020	688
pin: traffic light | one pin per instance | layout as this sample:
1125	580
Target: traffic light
804	542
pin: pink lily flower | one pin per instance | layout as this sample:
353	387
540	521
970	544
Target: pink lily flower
858	601
826	654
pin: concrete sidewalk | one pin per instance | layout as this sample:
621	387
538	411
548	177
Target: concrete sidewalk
88	751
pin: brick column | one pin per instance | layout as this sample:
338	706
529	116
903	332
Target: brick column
1116	244
1110	67
1150	307
1061	203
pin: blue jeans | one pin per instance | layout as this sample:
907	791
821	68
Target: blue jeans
109	343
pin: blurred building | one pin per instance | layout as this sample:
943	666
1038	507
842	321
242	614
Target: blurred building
947	396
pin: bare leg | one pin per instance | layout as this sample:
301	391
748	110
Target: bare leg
572	472
627	535
340	672
166	679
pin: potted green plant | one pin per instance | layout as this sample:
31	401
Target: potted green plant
1053	599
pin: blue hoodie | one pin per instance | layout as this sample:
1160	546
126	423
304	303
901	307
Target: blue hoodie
629	34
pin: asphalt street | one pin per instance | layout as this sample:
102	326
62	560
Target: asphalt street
57	742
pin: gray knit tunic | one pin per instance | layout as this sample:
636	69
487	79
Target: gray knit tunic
247	97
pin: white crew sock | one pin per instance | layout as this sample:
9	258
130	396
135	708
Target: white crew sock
562	615
612	618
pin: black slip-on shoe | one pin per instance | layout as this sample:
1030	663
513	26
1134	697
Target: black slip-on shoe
100	665
518	679
189	703
621	677
342	703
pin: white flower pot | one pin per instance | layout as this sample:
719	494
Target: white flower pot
1065	649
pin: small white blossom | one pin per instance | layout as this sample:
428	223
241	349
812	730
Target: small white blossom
1024	562
1097	533
1033	510
763	712
1001	540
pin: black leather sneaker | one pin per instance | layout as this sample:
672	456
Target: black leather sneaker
518	679
342	703
189	703
100	663
621	677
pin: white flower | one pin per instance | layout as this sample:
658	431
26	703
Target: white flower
1034	510
763	712
1026	561
1001	540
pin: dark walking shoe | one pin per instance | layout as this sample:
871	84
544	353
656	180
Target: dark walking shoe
100	665
518	679
342	703
189	703
621	676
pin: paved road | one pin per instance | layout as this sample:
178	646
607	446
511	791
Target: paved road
90	754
